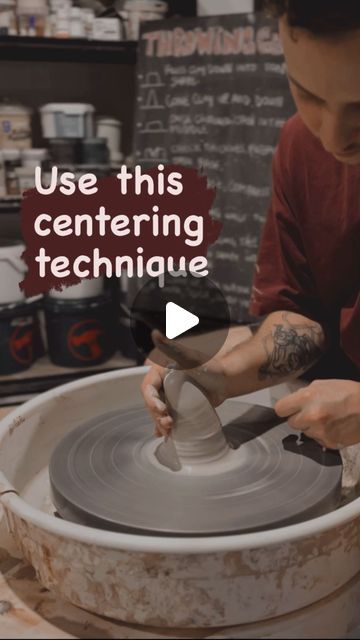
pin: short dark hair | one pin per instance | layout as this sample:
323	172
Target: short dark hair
321	17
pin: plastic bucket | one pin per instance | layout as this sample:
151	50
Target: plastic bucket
81	333
94	151
85	289
65	152
67	120
32	158
12	270
20	340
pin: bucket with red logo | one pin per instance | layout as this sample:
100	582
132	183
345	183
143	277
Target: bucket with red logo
20	341
81	333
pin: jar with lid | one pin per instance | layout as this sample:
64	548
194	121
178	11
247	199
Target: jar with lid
15	126
12	161
110	129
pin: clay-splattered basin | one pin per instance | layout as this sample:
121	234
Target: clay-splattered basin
167	582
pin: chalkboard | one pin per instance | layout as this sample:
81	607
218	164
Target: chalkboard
213	94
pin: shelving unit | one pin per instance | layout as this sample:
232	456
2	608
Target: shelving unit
98	63
35	71
14	48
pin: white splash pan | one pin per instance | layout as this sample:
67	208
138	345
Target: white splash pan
163	582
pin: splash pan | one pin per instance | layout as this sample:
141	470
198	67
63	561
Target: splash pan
162	580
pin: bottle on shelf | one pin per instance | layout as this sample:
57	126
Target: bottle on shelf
8	22
32	16
77	25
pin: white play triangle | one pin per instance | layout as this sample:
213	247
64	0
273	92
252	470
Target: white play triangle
178	320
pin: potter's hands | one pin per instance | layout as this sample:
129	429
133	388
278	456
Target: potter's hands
209	377
151	388
327	411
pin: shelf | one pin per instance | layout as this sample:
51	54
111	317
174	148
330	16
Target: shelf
44	375
66	50
10	205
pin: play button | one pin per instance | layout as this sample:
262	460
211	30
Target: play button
178	320
190	311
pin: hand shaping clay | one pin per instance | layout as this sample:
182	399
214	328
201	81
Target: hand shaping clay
197	439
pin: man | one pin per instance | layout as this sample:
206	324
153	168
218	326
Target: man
308	270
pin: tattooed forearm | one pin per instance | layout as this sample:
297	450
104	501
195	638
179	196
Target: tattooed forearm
291	349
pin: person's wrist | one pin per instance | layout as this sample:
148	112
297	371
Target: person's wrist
351	402
224	387
232	377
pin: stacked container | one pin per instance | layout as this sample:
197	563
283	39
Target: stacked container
80	320
20	341
70	129
80	323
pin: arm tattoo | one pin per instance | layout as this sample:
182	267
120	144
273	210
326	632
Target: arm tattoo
291	349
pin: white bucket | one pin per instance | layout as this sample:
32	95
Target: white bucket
26	178
32	158
291	576
12	270
67	120
85	289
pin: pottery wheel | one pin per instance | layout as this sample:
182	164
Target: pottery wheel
104	474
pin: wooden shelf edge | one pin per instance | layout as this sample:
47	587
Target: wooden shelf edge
43	376
17	48
10	205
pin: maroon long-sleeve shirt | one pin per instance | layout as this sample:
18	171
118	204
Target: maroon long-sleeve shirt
309	257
